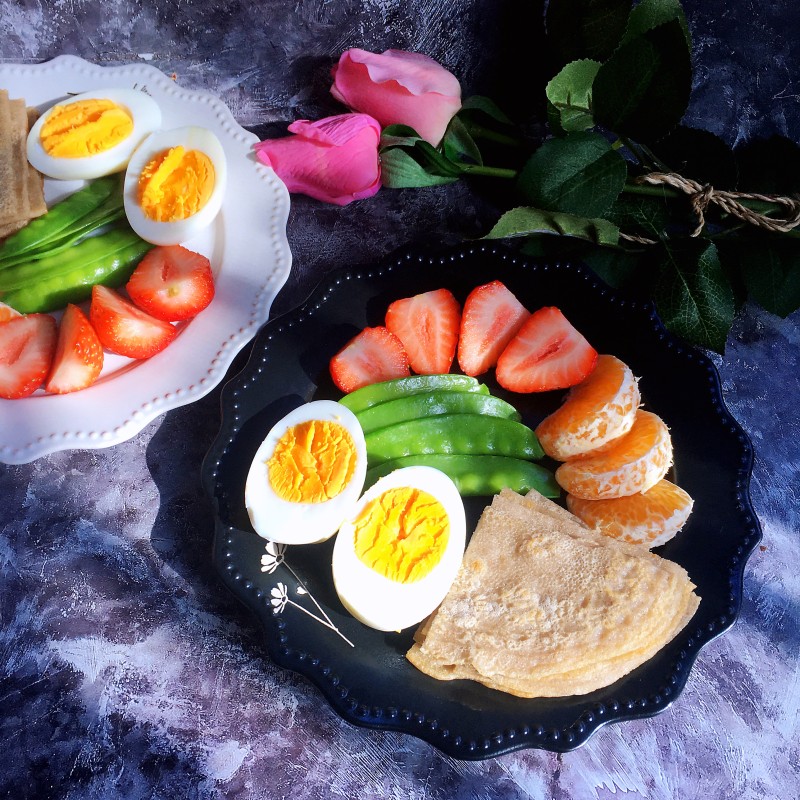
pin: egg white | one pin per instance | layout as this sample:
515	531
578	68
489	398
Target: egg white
190	137
302	523
388	605
146	116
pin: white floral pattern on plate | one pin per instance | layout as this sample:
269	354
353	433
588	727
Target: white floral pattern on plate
279	594
249	253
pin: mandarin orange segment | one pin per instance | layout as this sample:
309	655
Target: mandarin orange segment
598	410
630	464
650	518
7	313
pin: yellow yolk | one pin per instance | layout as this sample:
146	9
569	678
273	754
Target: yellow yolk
84	128
175	184
402	534
312	462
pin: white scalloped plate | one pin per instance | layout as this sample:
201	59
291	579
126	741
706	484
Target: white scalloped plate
246	244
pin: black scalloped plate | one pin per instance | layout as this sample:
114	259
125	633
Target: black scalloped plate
371	683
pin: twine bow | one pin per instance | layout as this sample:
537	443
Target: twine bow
702	196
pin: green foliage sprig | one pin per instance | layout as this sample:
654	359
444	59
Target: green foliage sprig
619	183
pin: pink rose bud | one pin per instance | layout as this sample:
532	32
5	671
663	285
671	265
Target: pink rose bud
334	159
397	87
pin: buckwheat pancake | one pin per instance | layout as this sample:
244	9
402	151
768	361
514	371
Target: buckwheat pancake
21	186
545	607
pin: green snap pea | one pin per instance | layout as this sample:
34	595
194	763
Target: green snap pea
86	252
477	475
375	393
432	403
460	434
109	259
60	220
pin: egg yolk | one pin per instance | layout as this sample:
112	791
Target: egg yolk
402	534
175	184
84	128
312	462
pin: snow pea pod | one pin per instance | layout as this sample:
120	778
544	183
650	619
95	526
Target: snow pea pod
477	475
432	403
375	393
60	219
29	273
460	434
108	259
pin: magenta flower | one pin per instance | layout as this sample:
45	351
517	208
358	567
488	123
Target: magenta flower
333	159
397	87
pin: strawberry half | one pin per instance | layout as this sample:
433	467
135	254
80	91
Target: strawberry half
547	353
27	345
172	283
371	356
427	325
125	329
79	354
491	317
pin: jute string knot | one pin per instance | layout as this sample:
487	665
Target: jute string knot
702	196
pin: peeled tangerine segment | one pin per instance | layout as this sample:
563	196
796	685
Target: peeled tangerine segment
596	411
650	518
633	463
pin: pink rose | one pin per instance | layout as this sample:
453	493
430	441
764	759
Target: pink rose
398	87
334	159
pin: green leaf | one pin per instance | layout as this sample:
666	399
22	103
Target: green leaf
526	221
400	170
554	120
570	92
649	14
698	154
585	28
641	215
458	145
692	294
408	161
769	166
579	174
477	106
642	91
615	266
771	272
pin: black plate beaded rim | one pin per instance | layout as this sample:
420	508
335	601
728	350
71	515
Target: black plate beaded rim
284	370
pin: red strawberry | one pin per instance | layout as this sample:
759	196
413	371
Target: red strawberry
427	325
172	283
27	345
491	317
79	354
125	329
547	353
371	356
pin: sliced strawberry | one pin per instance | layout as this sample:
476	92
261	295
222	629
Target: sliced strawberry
79	354
371	356
547	353
172	283
491	317
125	329
427	325
27	345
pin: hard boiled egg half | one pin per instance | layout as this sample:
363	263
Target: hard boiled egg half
307	474
399	551
174	184
92	134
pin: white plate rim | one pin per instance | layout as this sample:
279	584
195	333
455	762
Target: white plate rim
250	254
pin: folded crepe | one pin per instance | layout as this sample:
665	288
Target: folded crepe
543	606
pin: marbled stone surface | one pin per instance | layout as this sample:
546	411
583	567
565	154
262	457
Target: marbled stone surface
126	670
